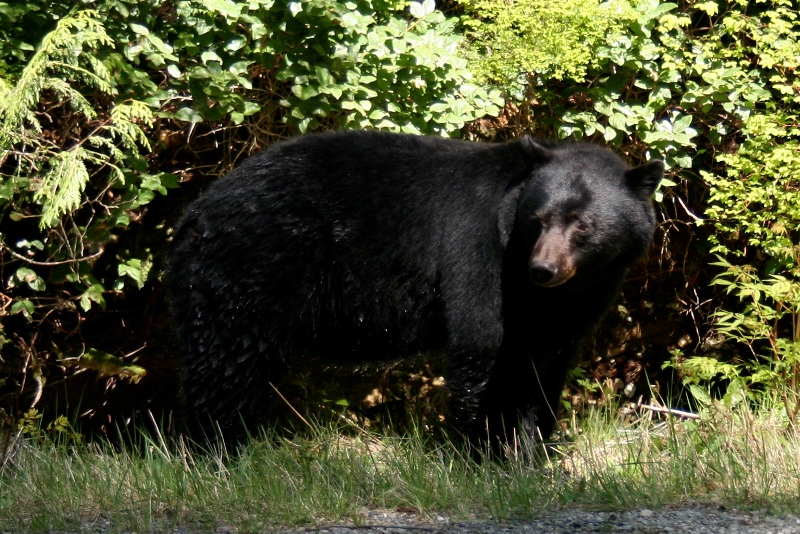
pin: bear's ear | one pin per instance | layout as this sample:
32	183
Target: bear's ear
537	152
645	178
507	214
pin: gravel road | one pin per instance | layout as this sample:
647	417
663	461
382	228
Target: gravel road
677	519
689	519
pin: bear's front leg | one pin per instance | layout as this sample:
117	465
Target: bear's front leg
474	340
523	395
466	380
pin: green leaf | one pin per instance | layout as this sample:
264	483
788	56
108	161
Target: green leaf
304	92
109	365
618	121
682	123
323	75
188	114
209	56
422	8
700	395
135	269
7	190
138	28
161	46
227	8
239	67
24	306
63	183
30	277
709	8
236	43
661	8
652	137
93	294
251	108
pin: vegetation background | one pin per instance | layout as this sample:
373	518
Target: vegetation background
116	113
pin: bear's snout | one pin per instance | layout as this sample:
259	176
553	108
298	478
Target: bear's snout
542	273
552	262
548	274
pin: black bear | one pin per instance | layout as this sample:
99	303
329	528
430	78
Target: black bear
367	246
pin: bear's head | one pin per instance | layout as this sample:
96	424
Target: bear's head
583	209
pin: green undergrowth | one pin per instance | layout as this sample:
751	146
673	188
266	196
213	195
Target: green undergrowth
732	455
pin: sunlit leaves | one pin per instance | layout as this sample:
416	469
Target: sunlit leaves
377	69
512	41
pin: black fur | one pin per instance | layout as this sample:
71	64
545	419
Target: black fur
365	246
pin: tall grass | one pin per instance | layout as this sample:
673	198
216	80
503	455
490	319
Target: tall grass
734	456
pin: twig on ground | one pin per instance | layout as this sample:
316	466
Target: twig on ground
670	411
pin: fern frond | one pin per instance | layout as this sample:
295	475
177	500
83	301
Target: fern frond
60	55
66	92
81	74
99	69
113	151
62	185
5	88
124	117
707	368
66	64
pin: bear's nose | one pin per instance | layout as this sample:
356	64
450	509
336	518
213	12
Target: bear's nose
542	273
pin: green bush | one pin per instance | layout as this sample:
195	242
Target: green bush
72	172
536	41
754	204
310	64
370	66
755	209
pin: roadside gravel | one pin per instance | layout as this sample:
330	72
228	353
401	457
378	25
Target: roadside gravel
676	519
690	519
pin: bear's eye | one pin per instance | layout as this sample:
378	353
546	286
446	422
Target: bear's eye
539	222
580	224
